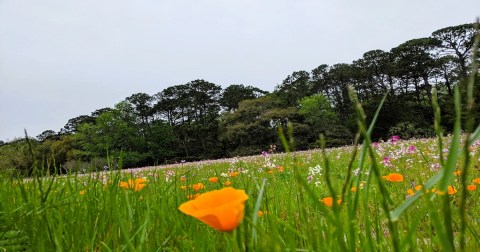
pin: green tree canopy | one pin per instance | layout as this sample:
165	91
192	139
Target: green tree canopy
236	93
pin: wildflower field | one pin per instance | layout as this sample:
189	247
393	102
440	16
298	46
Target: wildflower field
314	200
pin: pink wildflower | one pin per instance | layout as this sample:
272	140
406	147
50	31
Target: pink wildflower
411	149
386	161
394	139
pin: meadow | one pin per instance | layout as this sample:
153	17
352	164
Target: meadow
315	200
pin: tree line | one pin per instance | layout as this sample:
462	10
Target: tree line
200	120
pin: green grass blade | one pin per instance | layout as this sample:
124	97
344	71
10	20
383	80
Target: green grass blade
454	150
255	211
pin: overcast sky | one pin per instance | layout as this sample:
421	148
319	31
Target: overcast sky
65	58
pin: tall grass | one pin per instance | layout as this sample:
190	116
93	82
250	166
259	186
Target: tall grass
92	213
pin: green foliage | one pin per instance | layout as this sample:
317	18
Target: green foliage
407	130
95	164
192	110
317	110
47	134
250	128
293	88
234	94
122	130
458	41
15	156
73	124
322	119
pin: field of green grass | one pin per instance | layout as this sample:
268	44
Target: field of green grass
298	201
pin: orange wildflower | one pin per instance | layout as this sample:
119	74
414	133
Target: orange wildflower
183	187
260	213
220	209
233	174
410	192
83	192
451	190
394	177
136	184
126	185
227	183
213	180
140	180
471	187
476	181
457	173
353	189
328	201
270	171
280	168
198	186
182	179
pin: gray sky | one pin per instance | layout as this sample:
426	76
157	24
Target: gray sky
63	58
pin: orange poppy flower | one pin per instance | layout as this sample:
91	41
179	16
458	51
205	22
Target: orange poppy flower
471	187
410	192
213	180
233	174
220	209
451	190
476	181
270	171
394	177
140	180
328	201
136	184
183	187
198	186
280	168
260	213
182	179
457	173
353	189
227	183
